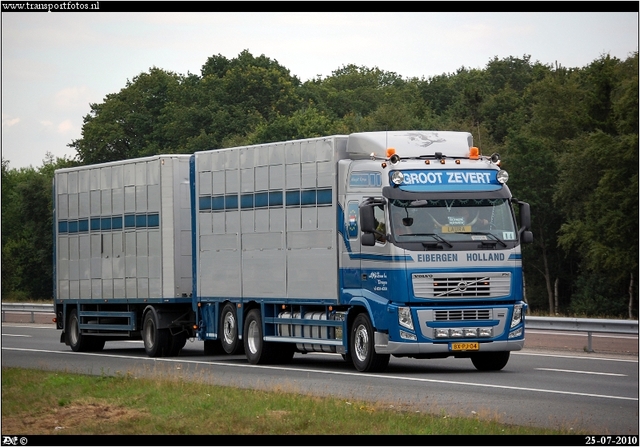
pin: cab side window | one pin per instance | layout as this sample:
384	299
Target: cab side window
381	226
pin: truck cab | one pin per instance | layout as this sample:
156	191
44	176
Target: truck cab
432	247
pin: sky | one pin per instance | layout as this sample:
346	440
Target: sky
54	65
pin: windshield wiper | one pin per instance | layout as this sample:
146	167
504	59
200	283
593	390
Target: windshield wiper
435	236
493	236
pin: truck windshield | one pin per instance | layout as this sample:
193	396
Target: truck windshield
452	220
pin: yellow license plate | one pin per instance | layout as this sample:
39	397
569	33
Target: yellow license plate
456	228
465	346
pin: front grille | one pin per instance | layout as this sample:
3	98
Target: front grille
473	285
462	315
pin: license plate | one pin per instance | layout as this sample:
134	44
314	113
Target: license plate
456	229
465	346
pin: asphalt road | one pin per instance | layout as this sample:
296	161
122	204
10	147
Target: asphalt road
535	339
542	385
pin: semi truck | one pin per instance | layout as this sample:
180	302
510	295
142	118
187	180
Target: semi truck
368	245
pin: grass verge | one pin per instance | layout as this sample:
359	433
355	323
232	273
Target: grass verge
65	403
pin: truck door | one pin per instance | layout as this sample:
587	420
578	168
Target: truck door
376	260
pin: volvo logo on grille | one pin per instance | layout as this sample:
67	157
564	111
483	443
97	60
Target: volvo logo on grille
462	286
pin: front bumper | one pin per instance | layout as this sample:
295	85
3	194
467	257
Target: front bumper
384	346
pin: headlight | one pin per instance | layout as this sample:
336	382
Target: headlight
404	317
517	315
502	176
407	335
516	334
442	333
397	177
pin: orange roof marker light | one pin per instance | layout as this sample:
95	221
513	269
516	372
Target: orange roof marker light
474	153
392	156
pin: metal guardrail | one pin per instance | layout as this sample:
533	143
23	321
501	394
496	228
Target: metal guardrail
588	325
31	308
583	324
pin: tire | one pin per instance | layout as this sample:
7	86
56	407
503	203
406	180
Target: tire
361	345
80	342
176	343
490	361
258	351
156	341
229	330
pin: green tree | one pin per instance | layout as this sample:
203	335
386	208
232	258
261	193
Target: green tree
126	124
244	93
598	192
601	203
353	91
303	123
599	81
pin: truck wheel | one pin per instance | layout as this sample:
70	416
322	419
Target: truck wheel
490	361
80	342
362	348
156	341
256	349
176	343
229	328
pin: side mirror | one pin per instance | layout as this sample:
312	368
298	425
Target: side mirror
525	215
526	236
368	239
367	219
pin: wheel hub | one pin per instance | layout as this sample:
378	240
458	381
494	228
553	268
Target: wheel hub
362	343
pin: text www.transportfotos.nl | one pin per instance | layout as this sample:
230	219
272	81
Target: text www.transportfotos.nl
51	6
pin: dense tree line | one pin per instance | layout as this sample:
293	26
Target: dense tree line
567	136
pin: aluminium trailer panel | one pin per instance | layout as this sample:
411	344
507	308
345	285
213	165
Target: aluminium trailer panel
265	221
122	230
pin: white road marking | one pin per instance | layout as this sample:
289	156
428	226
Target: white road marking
335	373
565	356
581	372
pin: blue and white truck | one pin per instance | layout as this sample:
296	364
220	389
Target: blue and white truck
369	245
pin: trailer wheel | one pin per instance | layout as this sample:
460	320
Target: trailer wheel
80	342
229	328
362	348
156	341
490	361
